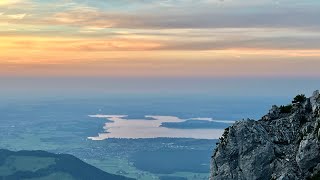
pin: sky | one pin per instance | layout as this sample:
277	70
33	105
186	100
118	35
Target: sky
159	39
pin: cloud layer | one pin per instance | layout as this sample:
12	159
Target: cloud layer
139	37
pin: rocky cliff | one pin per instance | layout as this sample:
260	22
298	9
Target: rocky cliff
282	145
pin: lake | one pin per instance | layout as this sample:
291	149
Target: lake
122	127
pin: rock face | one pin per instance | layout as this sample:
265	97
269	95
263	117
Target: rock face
282	145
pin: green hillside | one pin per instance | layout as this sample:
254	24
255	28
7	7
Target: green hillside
41	165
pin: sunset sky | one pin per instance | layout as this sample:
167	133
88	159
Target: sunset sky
160	38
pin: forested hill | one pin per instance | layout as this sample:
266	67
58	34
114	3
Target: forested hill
41	165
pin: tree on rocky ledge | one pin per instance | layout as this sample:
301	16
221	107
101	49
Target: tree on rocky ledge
301	98
286	109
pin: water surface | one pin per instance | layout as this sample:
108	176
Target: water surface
122	127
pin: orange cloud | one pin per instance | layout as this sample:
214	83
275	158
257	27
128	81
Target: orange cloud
8	2
46	44
128	57
218	63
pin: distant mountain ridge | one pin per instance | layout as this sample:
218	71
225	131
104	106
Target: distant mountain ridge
196	124
282	145
41	165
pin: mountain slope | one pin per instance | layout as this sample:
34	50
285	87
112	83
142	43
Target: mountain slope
41	165
282	145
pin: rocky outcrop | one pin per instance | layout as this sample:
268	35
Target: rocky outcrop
282	145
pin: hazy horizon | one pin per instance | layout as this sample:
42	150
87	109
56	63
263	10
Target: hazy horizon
102	86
